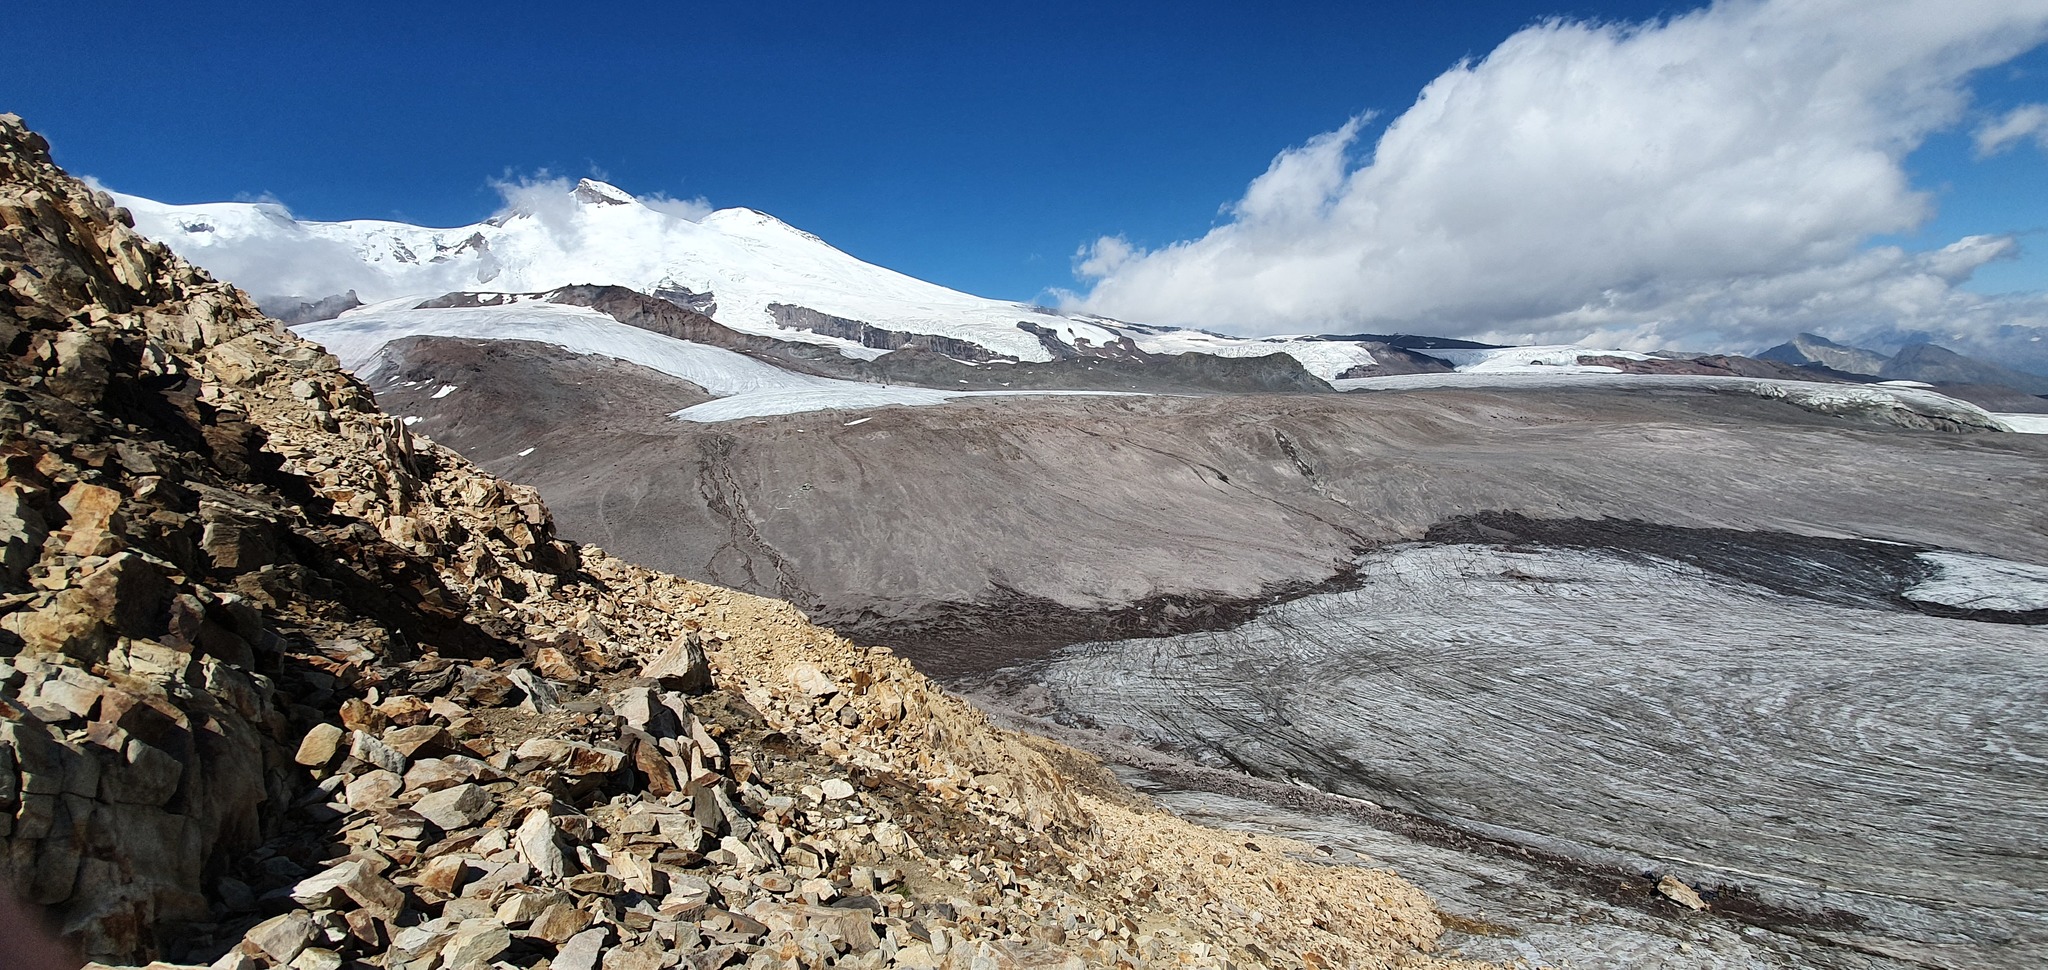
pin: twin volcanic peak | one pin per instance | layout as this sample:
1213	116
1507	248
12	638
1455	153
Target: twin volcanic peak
284	685
749	262
745	269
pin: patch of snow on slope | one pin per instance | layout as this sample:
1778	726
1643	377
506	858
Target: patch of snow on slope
356	336
1323	358
1981	583
1556	359
746	387
2023	423
1839	399
763	404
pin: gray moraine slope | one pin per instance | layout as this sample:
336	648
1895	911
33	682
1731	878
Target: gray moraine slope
976	531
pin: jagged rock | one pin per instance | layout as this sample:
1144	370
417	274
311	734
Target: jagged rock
282	937
445	875
475	943
456	808
403	824
236	959
582	951
354	881
1680	893
523	908
91	509
321	744
499	878
149	775
540	696
559	923
316	958
433	774
539	846
373	791
645	712
642	957
682	666
366	928
812	681
235	540
376	752
423	739
550	662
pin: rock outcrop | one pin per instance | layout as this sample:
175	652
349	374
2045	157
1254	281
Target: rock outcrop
284	685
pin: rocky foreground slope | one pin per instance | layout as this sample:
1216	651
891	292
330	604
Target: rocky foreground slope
285	686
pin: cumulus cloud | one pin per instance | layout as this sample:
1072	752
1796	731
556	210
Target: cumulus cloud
1103	257
2019	124
1713	178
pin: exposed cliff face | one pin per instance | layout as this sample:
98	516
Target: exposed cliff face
286	685
880	338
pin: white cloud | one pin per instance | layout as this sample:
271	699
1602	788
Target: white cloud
1711	179
2025	121
547	198
1102	257
691	209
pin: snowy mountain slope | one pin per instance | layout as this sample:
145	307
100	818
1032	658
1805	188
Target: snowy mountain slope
753	267
748	260
745	387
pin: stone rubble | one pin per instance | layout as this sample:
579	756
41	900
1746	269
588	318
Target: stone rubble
284	685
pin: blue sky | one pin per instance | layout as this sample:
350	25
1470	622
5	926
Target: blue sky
976	145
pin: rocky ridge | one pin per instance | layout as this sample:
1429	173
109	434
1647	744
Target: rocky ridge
286	685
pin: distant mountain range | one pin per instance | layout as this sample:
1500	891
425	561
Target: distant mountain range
742	305
1922	362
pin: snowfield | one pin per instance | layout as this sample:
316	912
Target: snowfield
1323	358
1838	399
746	387
1553	359
2023	423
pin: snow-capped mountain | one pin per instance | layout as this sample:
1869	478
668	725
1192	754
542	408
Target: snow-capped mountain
753	275
748	270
